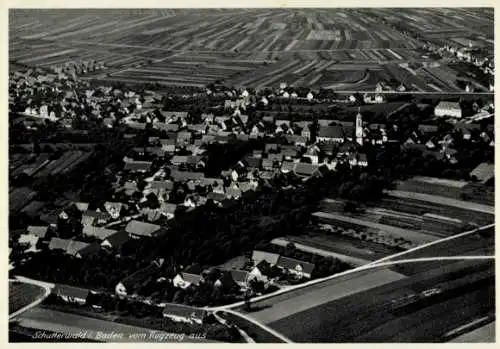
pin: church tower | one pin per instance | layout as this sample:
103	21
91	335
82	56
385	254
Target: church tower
359	128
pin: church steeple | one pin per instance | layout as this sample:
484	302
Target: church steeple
359	127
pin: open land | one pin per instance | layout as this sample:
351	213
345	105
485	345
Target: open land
348	49
370	315
22	294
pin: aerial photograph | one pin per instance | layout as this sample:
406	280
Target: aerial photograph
251	175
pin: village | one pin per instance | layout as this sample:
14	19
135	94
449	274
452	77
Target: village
169	166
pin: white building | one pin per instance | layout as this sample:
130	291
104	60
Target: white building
451	109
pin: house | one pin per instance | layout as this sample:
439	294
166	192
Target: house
75	248
38	231
296	140
94	217
191	276
168	209
270	147
450	154
305	170
113	209
30	241
296	267
183	136
267	164
97	232
165	185
225	281
115	240
287	166
247	186
253	162
216	197
334	133
259	256
184	176
240	277
137	166
142	229
71	293
483	172
129	284
358	160
450	109
81	206
427	129
233	193
306	132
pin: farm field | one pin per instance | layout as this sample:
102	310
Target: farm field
344	245
343	49
373	315
22	294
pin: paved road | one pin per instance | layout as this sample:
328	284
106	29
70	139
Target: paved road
485	334
366	315
317	295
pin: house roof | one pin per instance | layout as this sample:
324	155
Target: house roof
333	131
239	276
168	141
287	166
267	163
216	196
270	146
253	161
233	192
275	157
305	169
96	214
39	231
246	186
113	206
141	228
82	206
28	239
258	256
100	233
140	275
192	278
211	181
427	128
448	105
71	247
180	176
167	207
484	172
168	185
137	165
184	135
117	239
291	263
70	291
